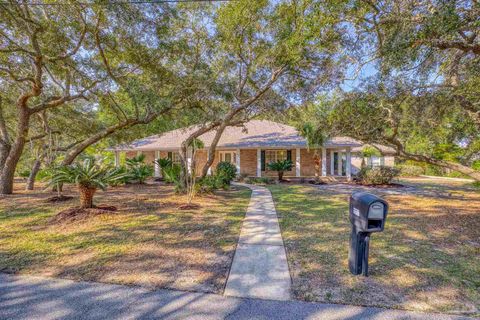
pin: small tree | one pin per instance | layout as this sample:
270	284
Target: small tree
191	177
88	176
280	166
315	138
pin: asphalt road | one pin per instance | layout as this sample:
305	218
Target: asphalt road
25	297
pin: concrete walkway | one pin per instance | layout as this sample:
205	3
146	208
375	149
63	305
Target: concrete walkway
260	268
24	297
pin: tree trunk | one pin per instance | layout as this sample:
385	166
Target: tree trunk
211	150
4	151
86	196
8	171
280	175
33	174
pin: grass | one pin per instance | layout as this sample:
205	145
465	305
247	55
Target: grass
147	242
427	259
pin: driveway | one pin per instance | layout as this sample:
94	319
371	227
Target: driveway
24	297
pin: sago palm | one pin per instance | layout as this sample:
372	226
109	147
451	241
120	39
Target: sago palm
280	166
89	177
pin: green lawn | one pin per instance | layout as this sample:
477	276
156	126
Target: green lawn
148	242
427	259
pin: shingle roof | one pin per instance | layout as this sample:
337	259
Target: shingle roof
253	134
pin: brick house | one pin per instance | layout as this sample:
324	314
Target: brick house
250	148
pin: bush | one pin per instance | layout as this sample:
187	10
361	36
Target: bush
172	174
138	171
209	184
378	175
24	173
226	172
164	163
260	180
476	185
410	170
125	177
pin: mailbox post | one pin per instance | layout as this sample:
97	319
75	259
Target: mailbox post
367	215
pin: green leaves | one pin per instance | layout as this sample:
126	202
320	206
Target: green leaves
280	165
88	174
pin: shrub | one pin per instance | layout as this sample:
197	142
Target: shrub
209	184
259	180
410	170
138	171
164	163
476	185
378	175
24	173
226	172
280	166
172	174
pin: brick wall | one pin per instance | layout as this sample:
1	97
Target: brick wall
307	163
248	162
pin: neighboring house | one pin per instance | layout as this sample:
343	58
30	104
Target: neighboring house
250	148
386	157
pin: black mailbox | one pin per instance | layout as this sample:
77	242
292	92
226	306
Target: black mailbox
367	214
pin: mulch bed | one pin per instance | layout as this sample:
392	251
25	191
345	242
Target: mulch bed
61	198
386	186
189	207
77	214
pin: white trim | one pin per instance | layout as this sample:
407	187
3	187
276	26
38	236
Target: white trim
297	162
324	162
156	166
349	164
332	162
259	162
238	161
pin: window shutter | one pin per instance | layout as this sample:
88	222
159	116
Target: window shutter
289	155
170	156
262	158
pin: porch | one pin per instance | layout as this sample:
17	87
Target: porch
253	162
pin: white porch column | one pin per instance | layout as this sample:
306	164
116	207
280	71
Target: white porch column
189	160
332	163
117	159
156	166
297	163
237	162
324	162
259	162
349	164
339	163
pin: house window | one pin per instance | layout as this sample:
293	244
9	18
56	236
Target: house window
376	161
228	156
275	155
